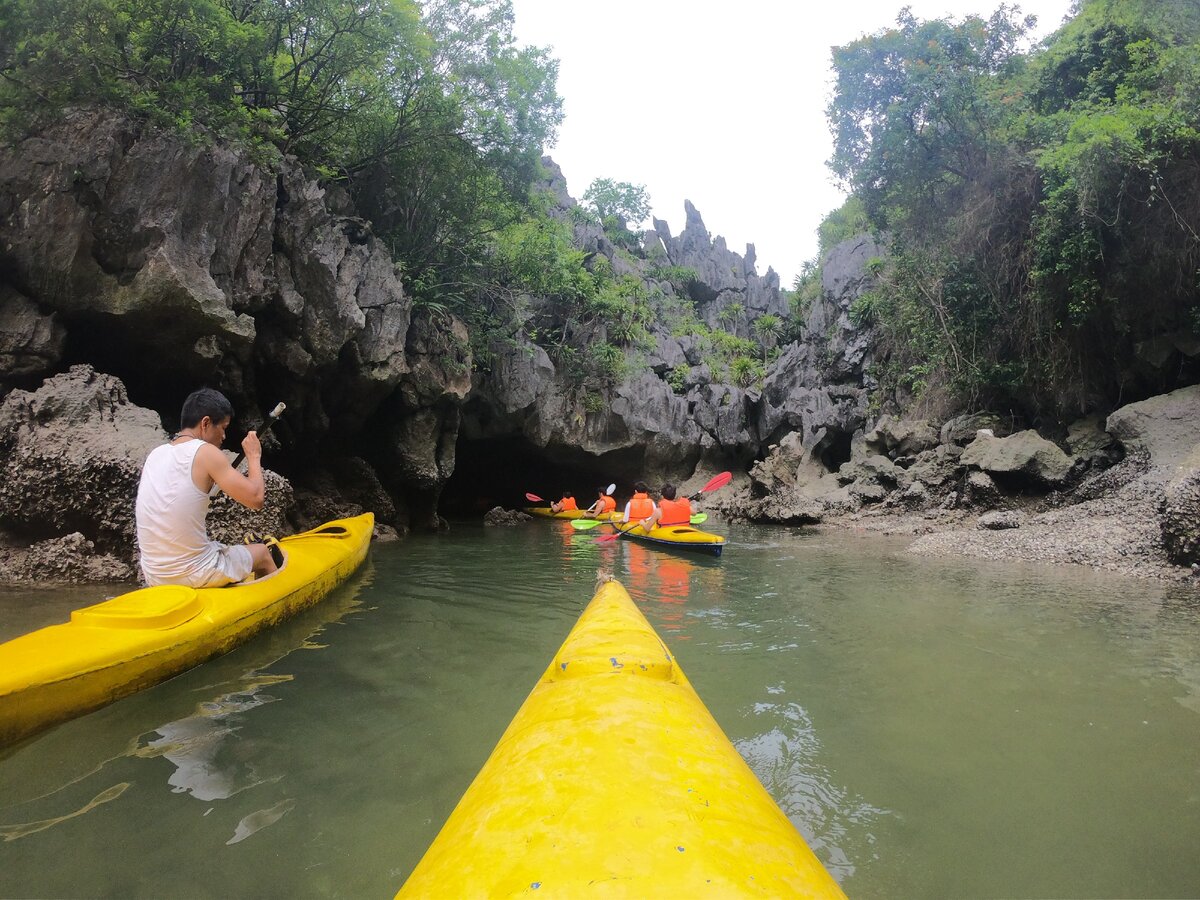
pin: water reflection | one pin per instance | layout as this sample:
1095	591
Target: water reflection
666	580
210	762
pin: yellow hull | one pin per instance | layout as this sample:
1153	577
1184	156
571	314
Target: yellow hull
130	642
614	780
544	512
676	537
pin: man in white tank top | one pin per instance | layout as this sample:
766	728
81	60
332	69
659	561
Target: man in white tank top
173	498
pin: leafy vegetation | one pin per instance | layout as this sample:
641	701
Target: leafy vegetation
429	114
1043	207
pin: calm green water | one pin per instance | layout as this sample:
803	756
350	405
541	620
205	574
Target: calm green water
935	729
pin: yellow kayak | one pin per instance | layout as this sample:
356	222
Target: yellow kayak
614	780
546	512
130	642
675	537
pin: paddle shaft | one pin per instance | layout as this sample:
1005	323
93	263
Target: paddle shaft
266	428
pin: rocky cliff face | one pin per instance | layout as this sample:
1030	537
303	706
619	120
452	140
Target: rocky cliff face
167	265
171	265
652	428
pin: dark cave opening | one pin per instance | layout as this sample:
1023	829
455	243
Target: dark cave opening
834	450
499	472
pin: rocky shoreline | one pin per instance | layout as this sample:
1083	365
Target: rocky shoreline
1128	501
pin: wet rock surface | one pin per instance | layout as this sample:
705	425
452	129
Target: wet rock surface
498	515
71	559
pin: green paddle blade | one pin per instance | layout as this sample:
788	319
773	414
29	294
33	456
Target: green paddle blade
584	524
698	518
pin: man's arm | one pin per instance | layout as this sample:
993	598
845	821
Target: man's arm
249	489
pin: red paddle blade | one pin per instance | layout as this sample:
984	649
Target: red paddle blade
718	481
605	538
534	498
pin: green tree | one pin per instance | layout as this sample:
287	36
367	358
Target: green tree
914	113
767	328
1042	208
619	201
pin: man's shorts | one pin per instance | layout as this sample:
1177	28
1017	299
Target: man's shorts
234	563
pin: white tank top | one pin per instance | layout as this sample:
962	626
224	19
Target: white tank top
171	536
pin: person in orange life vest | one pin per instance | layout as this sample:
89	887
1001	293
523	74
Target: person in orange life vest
670	511
605	504
567	502
640	506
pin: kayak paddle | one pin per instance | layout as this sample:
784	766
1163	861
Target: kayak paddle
717	481
533	498
266	428
585	524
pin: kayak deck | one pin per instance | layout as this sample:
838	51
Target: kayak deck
544	512
613	779
140	638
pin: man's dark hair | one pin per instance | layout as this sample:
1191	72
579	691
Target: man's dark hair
603	489
567	494
205	402
669	491
640	487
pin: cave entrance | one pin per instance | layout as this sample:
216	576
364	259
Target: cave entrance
498	472
834	450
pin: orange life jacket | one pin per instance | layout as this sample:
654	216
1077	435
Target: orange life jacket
640	507
609	504
674	512
567	503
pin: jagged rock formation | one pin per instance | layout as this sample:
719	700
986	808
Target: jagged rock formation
172	264
724	276
650	428
72	453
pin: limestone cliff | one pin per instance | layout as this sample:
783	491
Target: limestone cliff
172	264
650	426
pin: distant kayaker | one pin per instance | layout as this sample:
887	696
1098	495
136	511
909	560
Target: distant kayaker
640	506
567	502
604	504
173	498
670	511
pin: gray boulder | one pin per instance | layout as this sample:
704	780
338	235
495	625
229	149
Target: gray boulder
980	489
901	437
1167	426
915	496
1087	439
1179	512
31	342
779	509
997	521
71	559
961	430
72	453
1025	453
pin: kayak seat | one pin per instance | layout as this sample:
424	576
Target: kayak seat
165	606
333	530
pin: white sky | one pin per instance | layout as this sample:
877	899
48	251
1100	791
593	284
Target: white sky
722	104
